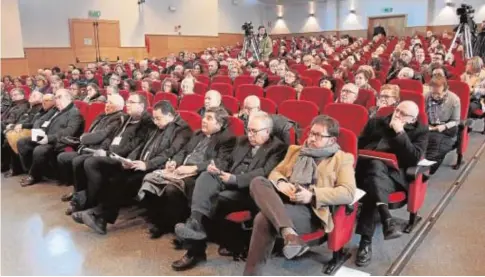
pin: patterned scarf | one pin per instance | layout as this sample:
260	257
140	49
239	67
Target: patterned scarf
434	109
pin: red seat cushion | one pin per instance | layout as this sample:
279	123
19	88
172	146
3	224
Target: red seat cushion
239	217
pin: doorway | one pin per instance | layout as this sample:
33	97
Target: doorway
395	25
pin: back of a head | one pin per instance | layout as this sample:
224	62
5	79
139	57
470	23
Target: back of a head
117	100
252	101
409	107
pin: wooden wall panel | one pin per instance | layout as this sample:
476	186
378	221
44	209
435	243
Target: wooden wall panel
441	29
230	39
163	45
354	33
14	66
315	34
411	31
49	57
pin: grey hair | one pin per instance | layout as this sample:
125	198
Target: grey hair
117	100
66	92
115	89
265	118
252	98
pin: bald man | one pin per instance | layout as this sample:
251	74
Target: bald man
212	99
36	153
403	135
99	136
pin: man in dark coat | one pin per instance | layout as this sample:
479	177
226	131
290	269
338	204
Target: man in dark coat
63	121
212	99
379	30
101	131
254	155
158	147
9	117
479	47
400	134
168	200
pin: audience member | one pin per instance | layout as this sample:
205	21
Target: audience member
388	97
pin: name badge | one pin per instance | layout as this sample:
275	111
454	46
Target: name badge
45	124
116	141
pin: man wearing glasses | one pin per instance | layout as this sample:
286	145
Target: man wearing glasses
254	155
294	199
400	134
349	93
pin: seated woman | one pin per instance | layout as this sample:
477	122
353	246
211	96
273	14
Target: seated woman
292	79
168	85
296	196
93	94
234	72
474	73
273	67
120	70
197	70
262	80
477	101
443	110
187	87
146	85
129	85
329	83
362	78
388	97
29	81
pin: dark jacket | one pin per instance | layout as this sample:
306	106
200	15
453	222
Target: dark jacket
479	47
27	119
379	30
106	79
132	133
14	112
66	123
161	145
267	157
409	147
219	149
102	130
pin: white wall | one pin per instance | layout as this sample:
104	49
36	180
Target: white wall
12	44
445	15
232	16
297	19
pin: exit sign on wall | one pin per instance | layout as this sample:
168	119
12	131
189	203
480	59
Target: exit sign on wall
94	14
387	10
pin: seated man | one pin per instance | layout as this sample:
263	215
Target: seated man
162	142
348	94
400	134
63	121
443	109
212	99
122	143
22	129
298	192
254	155
99	135
281	124
168	192
9	117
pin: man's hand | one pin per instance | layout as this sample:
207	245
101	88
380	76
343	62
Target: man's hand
287	188
43	140
440	128
126	165
99	153
10	126
397	125
170	166
139	165
185	169
303	196
212	168
225	176
18	128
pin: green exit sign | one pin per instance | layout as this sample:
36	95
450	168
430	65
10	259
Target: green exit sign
94	14
387	10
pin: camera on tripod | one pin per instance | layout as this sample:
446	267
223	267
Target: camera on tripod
248	28
465	12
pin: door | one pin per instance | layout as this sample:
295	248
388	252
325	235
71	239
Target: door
86	37
394	25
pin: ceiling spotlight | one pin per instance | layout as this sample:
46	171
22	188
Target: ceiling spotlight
352	11
312	14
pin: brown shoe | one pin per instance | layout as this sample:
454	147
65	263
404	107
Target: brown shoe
294	246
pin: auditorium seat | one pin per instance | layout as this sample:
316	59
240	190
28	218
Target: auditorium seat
418	98
231	103
168	96
243	80
314	75
245	90
203	79
221	79
192	118
94	110
200	88
350	116
462	90
236	125
148	96
223	88
125	94
83	108
191	102
409	84
293	109
268	105
320	96
306	81
280	93
375	84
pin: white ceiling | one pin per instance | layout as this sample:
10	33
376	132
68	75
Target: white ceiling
287	2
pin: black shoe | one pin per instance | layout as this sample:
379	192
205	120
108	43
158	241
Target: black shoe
155	232
192	229
77	217
9	174
28	181
178	244
224	252
364	253
188	262
98	224
294	246
391	229
67	197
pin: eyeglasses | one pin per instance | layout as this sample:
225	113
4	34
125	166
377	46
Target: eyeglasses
132	102
318	136
347	91
114	79
253	132
402	113
384	96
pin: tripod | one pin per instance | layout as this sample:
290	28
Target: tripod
249	44
463	31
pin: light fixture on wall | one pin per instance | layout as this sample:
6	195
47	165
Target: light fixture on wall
279	17
352	11
141	2
449	3
312	14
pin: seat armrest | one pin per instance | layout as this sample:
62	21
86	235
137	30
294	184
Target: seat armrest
413	172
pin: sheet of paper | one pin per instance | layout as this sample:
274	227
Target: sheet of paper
425	162
37	133
358	195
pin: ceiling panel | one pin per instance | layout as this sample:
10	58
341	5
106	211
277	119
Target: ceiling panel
287	2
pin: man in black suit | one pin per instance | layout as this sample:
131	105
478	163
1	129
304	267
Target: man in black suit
168	200
63	121
379	30
169	135
254	155
400	134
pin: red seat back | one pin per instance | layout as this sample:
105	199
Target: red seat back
236	125
192	118
230	103
161	96
223	88
156	85
245	90
350	116
419	100
268	105
385	111
94	110
243	79
280	93
125	94
83	108
409	84
320	96
191	102
306	81
314	75
376	84
366	98
221	79
293	110
462	90
203	79
200	88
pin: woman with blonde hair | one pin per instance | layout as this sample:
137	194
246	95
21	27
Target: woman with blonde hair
388	97
475	73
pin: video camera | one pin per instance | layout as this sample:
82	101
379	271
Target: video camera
248	28
465	12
